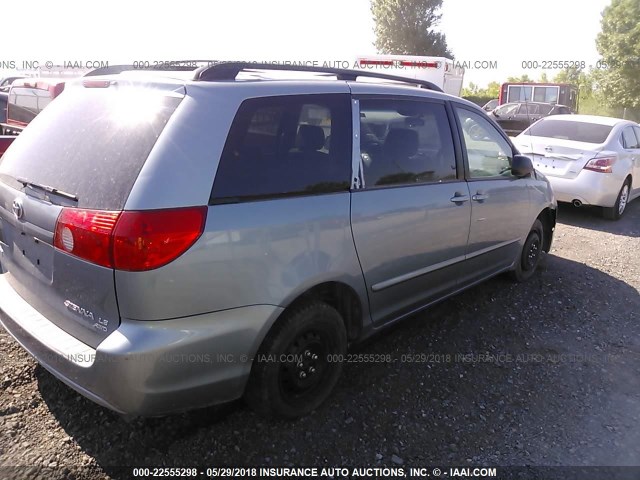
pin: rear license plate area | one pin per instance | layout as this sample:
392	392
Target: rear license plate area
549	164
32	255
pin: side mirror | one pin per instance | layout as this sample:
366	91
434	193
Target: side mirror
521	166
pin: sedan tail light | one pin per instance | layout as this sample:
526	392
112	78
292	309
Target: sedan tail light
133	241
601	164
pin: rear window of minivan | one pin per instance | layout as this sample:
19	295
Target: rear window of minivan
91	142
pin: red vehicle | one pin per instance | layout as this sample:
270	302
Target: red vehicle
27	98
558	93
5	141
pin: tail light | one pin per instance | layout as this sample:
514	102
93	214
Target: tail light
132	241
601	164
151	239
86	234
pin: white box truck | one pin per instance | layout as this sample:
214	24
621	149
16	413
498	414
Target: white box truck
439	70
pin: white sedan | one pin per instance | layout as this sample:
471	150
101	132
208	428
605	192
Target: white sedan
589	160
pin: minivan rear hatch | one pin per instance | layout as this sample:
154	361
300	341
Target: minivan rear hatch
83	154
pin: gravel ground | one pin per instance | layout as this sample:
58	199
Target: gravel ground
546	373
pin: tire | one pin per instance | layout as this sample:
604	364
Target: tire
531	254
618	209
315	335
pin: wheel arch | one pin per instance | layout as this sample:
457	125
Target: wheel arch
337	294
548	219
340	296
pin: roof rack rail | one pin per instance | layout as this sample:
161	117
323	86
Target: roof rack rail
174	65
230	70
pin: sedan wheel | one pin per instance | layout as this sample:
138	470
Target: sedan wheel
615	212
624	197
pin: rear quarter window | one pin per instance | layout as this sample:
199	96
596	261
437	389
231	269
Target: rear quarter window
286	145
91	143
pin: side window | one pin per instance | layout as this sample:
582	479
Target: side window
26	98
405	142
533	109
288	145
629	140
508	109
636	130
545	109
489	154
519	93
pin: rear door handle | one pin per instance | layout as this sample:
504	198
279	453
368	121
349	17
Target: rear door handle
459	198
480	197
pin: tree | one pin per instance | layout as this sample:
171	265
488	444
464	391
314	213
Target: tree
471	90
406	27
544	78
578	77
521	79
619	46
493	90
569	75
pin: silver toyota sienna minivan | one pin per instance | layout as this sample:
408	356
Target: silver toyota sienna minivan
170	241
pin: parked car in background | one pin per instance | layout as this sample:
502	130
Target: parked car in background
170	243
5	83
491	105
560	93
3	108
589	160
27	98
5	141
516	117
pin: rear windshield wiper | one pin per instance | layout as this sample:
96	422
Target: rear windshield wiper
47	188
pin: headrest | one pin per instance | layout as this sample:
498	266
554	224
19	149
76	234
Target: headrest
401	142
310	137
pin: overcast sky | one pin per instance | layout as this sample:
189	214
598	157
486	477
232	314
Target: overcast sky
123	31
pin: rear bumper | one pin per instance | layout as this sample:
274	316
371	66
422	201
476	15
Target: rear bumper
147	368
591	188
